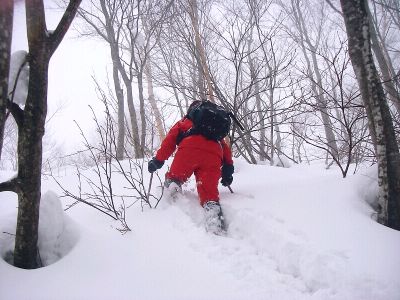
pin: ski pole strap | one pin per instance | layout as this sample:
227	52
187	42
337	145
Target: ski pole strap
236	121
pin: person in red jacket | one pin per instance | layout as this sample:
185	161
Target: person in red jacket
208	160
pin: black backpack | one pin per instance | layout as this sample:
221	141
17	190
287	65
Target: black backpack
210	120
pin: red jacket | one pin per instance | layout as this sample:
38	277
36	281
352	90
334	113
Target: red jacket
221	149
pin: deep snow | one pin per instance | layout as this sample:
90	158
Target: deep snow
294	233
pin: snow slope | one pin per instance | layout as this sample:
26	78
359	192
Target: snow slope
297	233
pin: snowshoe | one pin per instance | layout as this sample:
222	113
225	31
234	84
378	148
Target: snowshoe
214	219
172	188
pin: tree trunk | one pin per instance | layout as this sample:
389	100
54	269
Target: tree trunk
30	162
118	92
6	26
152	100
317	84
31	127
388	80
200	49
142	113
133	117
260	110
150	90
113	41
121	114
263	153
357	26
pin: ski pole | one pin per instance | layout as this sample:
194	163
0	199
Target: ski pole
229	187
148	190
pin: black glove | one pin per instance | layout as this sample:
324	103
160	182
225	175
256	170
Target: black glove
227	172
154	164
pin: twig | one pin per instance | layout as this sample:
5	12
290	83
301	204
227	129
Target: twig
12	234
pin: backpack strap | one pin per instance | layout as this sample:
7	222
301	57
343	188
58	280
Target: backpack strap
182	135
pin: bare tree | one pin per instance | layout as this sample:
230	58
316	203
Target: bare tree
355	13
200	51
309	48
378	45
392	7
106	21
384	63
152	100
31	122
178	67
131	28
142	40
96	178
247	73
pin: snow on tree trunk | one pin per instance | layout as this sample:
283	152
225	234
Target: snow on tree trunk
357	26
6	25
18	80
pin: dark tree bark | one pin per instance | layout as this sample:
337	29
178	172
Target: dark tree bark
31	126
358	31
6	26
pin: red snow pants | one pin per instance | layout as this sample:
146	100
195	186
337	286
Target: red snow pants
206	167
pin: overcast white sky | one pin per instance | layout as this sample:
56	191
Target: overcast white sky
70	84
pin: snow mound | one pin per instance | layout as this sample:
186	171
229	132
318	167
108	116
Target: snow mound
58	233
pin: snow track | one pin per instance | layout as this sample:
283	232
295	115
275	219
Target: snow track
298	233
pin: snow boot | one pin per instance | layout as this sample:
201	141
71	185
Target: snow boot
172	188
214	219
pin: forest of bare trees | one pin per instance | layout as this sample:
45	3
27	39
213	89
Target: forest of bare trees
308	80
282	67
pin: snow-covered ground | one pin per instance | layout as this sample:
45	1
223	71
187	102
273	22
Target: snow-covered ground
297	233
